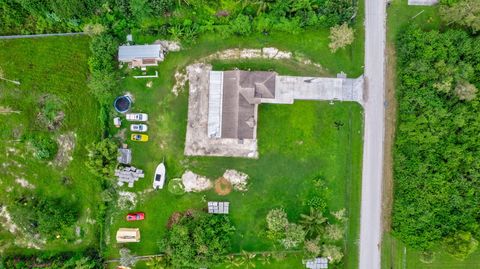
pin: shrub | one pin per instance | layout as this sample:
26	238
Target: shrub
340	37
198	239
102	158
277	220
44	147
294	236
241	25
460	245
334	253
175	186
51	217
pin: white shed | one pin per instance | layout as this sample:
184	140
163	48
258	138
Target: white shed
128	235
140	55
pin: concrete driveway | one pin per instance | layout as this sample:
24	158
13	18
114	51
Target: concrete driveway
373	147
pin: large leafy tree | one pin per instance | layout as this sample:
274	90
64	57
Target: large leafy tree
198	239
102	158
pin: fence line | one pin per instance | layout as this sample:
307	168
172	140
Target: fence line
39	35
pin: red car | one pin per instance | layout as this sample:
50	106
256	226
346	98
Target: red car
135	216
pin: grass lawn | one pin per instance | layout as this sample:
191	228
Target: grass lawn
296	143
395	254
54	66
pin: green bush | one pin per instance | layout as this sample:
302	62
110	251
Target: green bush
44	147
175	186
50	217
102	158
198	239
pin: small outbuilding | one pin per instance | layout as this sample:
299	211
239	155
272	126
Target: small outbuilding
125	156
128	235
140	55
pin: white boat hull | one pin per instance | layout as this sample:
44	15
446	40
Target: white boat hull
159	177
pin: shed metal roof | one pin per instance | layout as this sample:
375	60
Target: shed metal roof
128	53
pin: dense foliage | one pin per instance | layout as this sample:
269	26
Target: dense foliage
49	217
198	239
437	168
102	158
181	19
43	146
465	13
82	260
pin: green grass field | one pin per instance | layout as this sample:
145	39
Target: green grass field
57	67
395	254
296	143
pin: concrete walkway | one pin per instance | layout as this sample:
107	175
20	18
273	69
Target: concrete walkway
291	88
39	35
373	147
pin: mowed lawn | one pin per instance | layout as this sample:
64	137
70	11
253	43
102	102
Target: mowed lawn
296	143
54	66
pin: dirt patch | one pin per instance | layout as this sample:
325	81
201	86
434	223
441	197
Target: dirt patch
7	110
66	144
24	183
126	200
122	134
7	222
223	186
238	179
50	112
390	124
195	183
180	81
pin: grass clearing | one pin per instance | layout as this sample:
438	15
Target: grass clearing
54	66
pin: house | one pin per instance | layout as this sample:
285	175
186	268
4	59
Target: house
234	97
140	55
128	235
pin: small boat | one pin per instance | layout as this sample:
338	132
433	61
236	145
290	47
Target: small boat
159	178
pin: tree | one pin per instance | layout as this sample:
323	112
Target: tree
93	29
198	239
162	262
241	25
340	37
461	245
334	232
277	220
102	158
247	260
466	91
294	236
312	248
313	223
463	12
332	252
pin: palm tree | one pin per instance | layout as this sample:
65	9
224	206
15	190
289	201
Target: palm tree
231	262
266	258
162	262
247	259
313	223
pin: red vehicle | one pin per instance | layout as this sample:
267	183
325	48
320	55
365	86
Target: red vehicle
135	216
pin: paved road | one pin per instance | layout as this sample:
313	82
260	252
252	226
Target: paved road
38	35
373	149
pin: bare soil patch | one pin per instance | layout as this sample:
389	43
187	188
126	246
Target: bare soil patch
223	186
66	144
390	124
